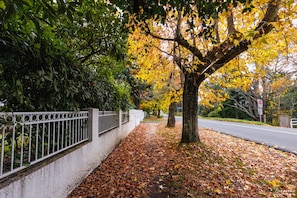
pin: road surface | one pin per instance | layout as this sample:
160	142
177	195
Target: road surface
281	138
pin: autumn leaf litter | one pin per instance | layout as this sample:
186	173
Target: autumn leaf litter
150	162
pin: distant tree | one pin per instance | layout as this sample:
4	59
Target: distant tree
234	90
289	101
243	104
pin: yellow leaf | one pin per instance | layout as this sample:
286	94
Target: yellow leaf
236	42
176	166
2	5
217	191
275	183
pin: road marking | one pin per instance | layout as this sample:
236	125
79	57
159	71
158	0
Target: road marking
270	130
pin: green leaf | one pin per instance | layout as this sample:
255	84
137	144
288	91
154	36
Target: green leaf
2	5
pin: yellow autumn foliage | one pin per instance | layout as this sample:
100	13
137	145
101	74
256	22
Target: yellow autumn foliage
156	67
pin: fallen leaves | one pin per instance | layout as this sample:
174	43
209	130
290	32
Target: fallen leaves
258	169
150	162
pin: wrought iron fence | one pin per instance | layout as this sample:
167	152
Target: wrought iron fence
27	138
108	120
125	117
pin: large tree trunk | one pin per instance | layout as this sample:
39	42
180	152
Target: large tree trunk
190	109
171	117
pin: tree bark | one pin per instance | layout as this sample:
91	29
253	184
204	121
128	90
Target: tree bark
159	113
190	109
171	117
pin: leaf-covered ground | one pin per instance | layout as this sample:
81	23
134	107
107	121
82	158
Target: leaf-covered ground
150	162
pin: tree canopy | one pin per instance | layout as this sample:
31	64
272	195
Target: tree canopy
208	35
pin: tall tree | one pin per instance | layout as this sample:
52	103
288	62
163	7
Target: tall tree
227	29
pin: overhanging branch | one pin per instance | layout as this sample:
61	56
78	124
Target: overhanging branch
223	55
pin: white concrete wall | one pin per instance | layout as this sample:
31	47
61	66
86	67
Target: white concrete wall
58	178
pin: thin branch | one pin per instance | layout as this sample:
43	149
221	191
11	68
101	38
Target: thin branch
176	59
183	42
216	29
230	23
85	58
178	38
148	31
179	20
165	52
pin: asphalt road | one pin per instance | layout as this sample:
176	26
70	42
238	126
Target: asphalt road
281	138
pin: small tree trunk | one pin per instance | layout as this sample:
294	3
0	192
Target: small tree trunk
171	117
159	113
190	109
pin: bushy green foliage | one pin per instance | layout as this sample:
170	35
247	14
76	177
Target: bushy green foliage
288	101
214	113
123	91
42	68
139	89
